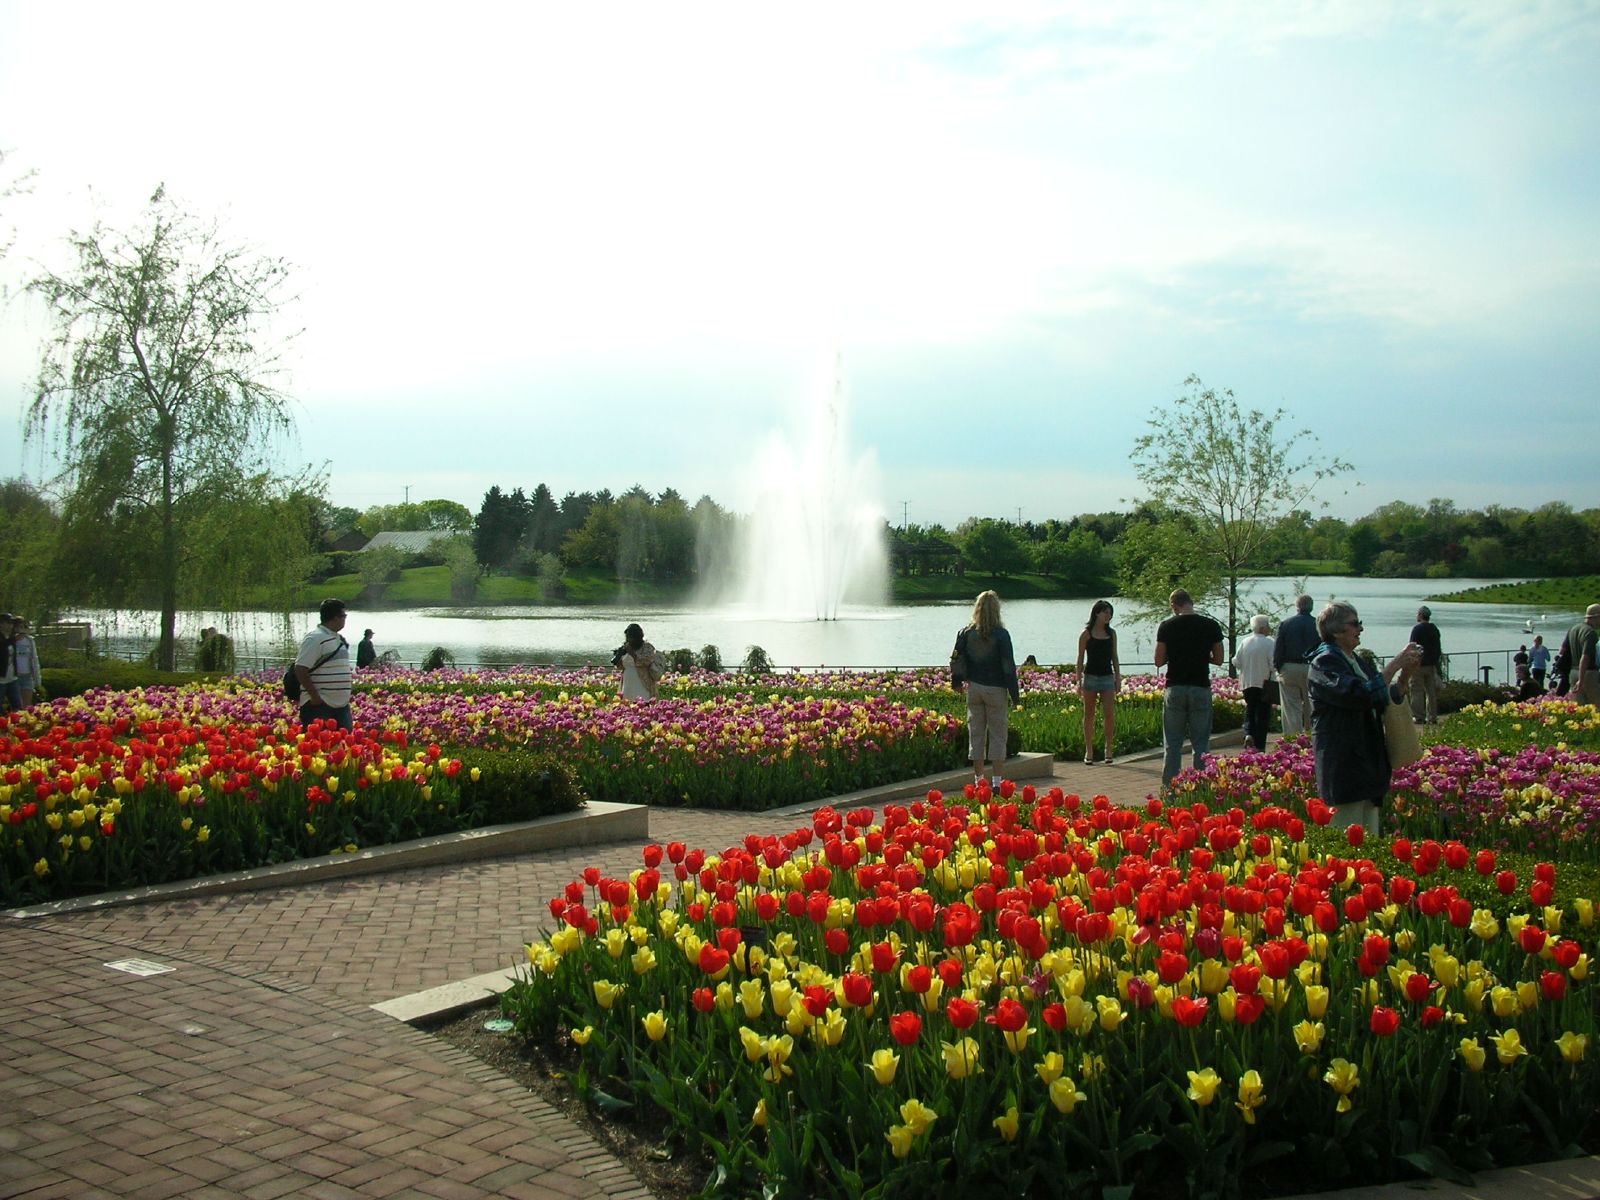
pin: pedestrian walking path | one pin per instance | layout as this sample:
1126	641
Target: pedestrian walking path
251	1063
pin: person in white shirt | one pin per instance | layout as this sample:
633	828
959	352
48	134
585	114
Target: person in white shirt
25	657
1253	661
323	668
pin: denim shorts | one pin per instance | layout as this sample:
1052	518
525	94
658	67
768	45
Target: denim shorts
1098	683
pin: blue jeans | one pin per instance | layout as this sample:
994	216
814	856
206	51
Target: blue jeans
1185	708
11	694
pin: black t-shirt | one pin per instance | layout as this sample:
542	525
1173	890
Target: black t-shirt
1426	635
1188	640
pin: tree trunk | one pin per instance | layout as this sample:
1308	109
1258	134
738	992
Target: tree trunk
166	649
1233	623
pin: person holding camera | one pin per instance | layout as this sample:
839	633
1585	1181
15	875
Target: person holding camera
642	666
1348	696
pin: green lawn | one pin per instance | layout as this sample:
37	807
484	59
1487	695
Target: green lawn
1572	594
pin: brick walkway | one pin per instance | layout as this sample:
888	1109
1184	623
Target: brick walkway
255	1067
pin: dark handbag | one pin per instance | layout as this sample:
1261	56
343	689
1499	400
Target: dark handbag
958	662
1271	692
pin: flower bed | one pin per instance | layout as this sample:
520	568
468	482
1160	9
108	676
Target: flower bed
1542	800
89	806
1025	992
728	751
1050	719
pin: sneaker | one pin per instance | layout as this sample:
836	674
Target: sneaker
1088	760
1109	760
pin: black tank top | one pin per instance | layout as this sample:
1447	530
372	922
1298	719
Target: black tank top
1097	658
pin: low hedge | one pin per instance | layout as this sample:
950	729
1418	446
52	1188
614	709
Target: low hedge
517	785
61	682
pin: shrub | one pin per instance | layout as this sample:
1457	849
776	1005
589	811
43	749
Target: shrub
709	658
1456	694
215	654
436	658
680	661
518	785
74	681
757	661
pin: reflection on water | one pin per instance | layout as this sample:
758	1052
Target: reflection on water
875	636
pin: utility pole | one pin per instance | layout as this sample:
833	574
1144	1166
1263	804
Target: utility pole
904	505
1019	516
408	493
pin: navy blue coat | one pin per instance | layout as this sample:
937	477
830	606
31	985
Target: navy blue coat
1347	728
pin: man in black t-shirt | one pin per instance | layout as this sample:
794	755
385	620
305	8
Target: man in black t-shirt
1188	645
1425	682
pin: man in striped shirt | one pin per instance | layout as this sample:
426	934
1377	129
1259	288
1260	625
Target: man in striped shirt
323	668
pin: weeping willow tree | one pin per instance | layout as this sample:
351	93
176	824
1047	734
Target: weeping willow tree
156	389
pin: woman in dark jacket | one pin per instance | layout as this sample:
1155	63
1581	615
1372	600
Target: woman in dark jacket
1348	696
990	668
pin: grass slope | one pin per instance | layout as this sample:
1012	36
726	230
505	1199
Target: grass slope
1572	594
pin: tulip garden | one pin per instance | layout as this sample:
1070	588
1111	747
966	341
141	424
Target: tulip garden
1223	994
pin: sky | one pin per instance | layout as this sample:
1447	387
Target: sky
600	245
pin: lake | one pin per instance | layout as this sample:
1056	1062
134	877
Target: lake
879	636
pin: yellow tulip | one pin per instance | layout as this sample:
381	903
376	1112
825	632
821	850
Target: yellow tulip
759	1117
1049	1069
655	1025
899	1138
1110	1010
1508	1047
1017	1039
1213	976
1505	1002
1484	925
1316	1001
1343	1077
724	994
1079	1014
606	993
643	960
884	1065
1572	1045
961	1058
831	1031
1008	1124
1308	1036
1252	1095
755	1048
782	992
1471	1053
752	996
917	1116
1585	911
565	940
1580	969
582	1036
1064	1094
1203	1086
1528	994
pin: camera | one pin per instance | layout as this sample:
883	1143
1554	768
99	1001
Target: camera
616	655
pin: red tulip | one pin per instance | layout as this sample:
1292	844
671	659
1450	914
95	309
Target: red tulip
1506	881
905	1027
1189	1011
961	1012
1553	984
1532	939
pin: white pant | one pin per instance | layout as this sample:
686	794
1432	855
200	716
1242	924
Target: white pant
1295	690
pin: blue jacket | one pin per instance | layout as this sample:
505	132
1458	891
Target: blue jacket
1297	638
990	660
1347	728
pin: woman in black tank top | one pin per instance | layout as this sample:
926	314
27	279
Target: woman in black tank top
1099	677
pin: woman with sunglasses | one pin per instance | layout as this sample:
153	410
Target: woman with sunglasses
1348	696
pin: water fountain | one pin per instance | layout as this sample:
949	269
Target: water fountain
814	538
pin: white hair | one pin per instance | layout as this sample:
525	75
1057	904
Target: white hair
1260	623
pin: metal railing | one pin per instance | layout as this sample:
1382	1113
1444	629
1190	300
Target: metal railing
1471	666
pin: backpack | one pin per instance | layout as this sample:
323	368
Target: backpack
291	681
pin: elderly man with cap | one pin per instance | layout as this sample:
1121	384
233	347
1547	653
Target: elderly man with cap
1581	639
1425	685
366	655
